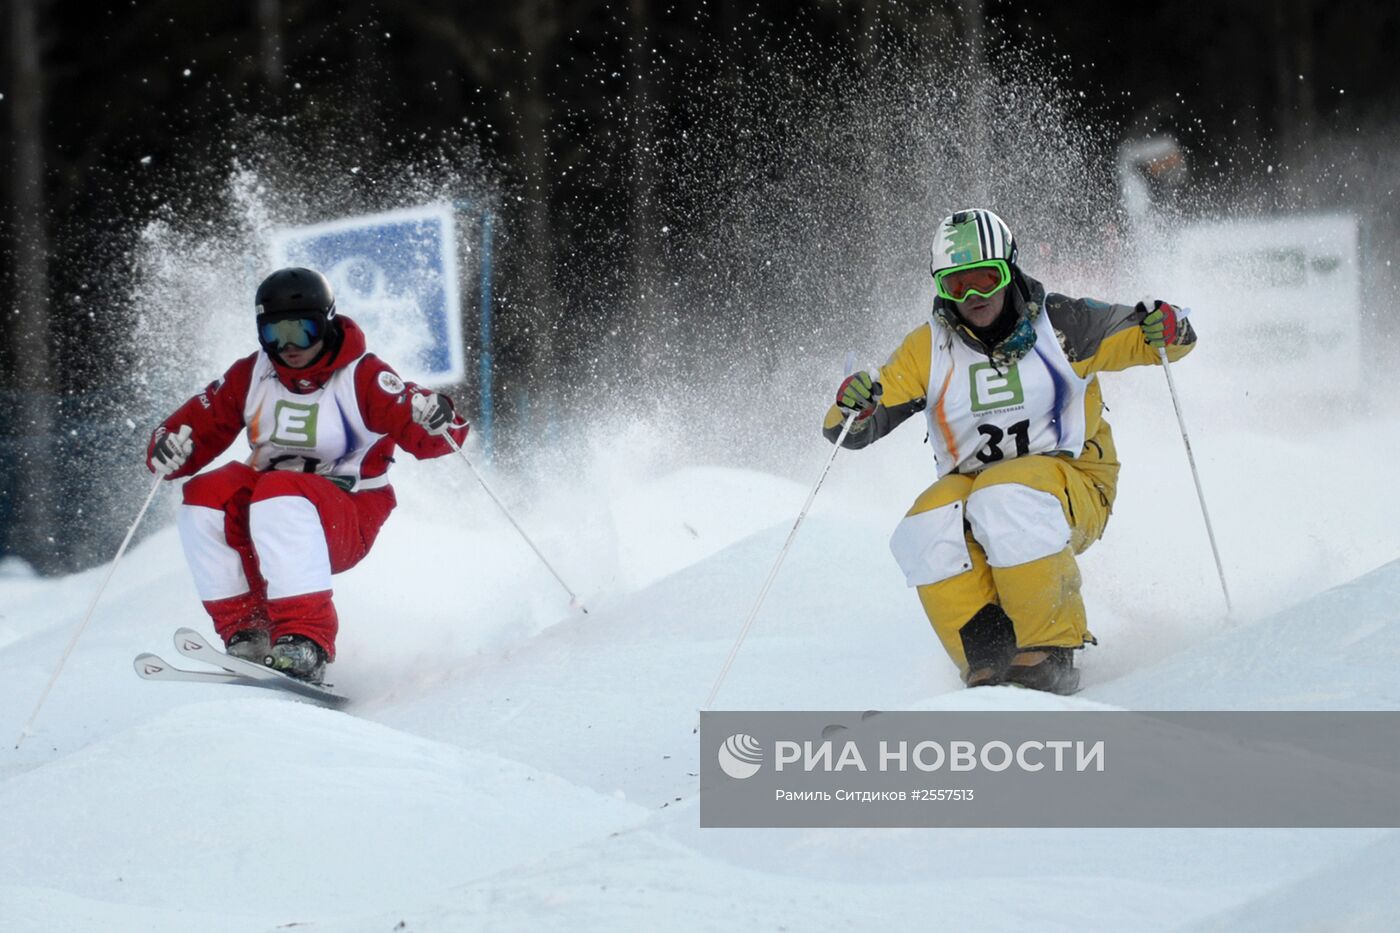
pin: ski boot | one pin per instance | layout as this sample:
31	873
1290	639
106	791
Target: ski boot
298	656
989	641
250	644
1048	669
984	677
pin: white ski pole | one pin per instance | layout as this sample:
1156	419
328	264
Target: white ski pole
574	601
72	642
773	573
1195	475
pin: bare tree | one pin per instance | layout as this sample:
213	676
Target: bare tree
870	52
974	35
1294	78
28	329
537	23
520	75
641	180
271	58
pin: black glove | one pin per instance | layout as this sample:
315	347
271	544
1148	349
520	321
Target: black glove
171	451
433	411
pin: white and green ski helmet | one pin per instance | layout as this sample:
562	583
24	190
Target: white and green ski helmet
973	235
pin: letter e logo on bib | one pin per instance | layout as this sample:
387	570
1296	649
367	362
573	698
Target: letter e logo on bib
991	389
294	425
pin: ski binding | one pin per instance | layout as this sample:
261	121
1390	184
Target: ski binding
234	671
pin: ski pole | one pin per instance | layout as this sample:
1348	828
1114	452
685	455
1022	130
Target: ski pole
773	573
1195	475
72	642
574	601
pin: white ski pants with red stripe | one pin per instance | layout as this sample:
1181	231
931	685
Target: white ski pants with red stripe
262	547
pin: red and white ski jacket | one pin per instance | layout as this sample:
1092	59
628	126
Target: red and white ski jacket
341	418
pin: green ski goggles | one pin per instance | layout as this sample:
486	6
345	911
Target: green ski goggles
983	279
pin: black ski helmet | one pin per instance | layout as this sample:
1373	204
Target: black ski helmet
294	293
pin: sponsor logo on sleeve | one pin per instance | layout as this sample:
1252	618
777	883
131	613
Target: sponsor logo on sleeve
390	383
210	390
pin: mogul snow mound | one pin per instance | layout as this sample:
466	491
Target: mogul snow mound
1334	651
348	815
504	767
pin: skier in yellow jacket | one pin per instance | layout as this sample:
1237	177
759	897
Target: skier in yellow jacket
1027	472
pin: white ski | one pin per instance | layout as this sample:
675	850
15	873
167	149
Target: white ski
153	667
235	671
194	645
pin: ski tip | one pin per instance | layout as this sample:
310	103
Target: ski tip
147	664
189	642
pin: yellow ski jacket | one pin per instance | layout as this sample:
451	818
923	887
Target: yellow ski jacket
1095	337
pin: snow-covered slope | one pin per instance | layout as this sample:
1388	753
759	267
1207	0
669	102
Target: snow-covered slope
507	764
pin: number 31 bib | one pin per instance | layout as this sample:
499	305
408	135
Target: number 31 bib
979	415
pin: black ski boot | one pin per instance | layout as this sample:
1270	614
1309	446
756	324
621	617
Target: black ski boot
1048	669
251	644
989	641
298	656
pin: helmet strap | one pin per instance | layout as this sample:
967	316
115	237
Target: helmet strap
1019	280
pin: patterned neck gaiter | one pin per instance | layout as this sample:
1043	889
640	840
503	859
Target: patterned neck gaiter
1009	350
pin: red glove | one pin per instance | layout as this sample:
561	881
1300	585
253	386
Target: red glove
1159	326
859	393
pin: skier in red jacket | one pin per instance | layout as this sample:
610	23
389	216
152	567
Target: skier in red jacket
323	416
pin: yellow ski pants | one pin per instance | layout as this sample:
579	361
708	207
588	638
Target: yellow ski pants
1022	522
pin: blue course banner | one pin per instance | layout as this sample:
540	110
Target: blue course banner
396	275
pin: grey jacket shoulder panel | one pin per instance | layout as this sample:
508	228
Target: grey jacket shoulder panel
1085	323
